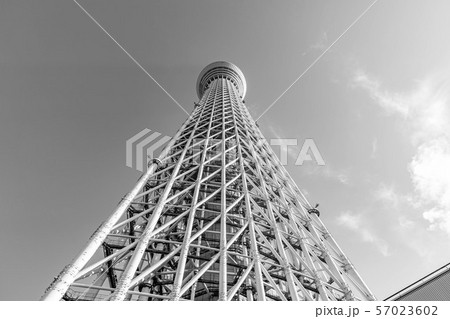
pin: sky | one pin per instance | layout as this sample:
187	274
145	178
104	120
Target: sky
376	106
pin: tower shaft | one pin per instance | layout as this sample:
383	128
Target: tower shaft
215	217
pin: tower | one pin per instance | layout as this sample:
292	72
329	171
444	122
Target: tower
215	217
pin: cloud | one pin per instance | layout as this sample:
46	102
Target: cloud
404	223
391	197
355	223
392	103
424	108
396	202
425	113
438	218
430	171
374	148
430	174
321	44
338	175
388	195
328	172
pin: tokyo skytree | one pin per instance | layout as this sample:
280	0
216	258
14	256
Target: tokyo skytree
214	217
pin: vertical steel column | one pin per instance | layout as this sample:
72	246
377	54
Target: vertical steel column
223	275
284	261
259	282
175	294
306	251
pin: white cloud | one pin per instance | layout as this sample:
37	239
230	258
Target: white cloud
430	170
424	108
396	202
337	175
392	103
405	223
426	116
388	195
374	148
430	174
355	223
438	218
391	197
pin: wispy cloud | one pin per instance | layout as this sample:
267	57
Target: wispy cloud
321	43
374	148
426	116
356	223
387	195
424	108
391	197
328	172
392	103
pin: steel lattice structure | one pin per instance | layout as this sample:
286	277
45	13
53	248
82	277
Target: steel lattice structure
215	217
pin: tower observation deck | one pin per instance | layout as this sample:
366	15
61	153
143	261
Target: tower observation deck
221	69
215	217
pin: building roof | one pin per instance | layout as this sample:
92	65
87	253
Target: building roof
433	287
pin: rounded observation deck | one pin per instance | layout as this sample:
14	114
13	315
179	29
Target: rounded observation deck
221	69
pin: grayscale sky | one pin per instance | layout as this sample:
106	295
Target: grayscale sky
376	105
